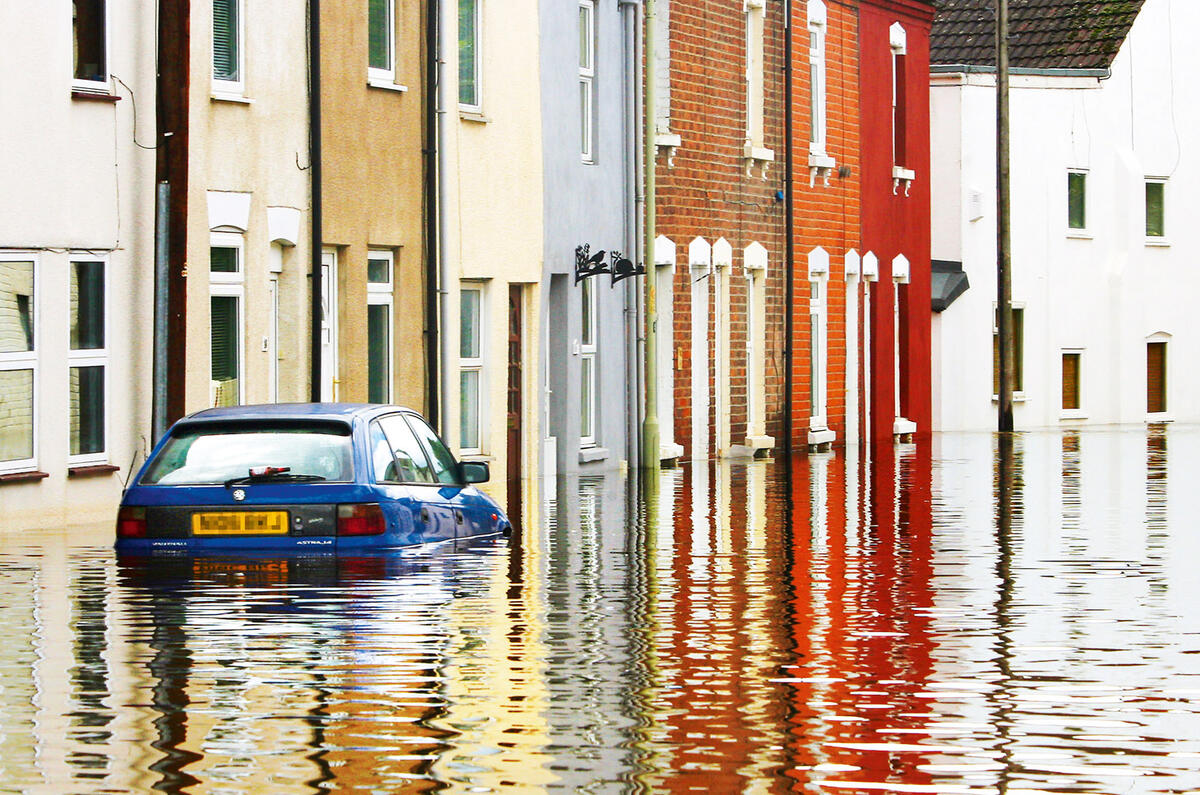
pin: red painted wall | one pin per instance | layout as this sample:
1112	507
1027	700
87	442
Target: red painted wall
894	223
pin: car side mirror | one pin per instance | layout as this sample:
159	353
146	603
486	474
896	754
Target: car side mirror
474	472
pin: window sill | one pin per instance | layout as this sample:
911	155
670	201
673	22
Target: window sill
386	85
1079	234
1158	242
93	96
901	175
589	454
669	141
23	477
820	165
91	470
477	457
473	116
1151	419
237	99
1073	414
757	156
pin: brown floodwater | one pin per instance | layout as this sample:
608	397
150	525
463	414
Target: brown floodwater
954	617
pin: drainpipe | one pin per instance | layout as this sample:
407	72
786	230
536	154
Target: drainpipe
789	254
650	443
447	43
633	390
314	160
433	11
162	309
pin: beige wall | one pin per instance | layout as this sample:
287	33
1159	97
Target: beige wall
372	193
256	146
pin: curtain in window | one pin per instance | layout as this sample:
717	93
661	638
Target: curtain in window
225	40
1156	377
1070	381
225	359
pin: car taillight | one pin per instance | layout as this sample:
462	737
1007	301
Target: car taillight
363	519
131	522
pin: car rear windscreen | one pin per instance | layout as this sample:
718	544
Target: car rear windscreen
215	453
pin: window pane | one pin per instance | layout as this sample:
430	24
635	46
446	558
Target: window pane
1076	201
1156	377
1154	209
814	120
445	469
586	427
223	259
87	410
16	307
411	464
378	338
87	305
225	355
225	40
469	410
814	345
585	37
16	418
587	321
89	40
379	31
467	52
585	117
379	271
469	320
1070	380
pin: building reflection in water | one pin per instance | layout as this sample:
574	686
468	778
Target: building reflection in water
982	615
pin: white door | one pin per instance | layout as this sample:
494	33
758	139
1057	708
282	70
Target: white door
700	365
270	342
329	381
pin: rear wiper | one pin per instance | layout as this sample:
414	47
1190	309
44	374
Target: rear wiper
284	474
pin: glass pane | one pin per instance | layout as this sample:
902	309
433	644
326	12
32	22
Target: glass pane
412	466
1070	380
1076	198
585	37
814	345
87	410
1154	209
587	321
223	259
89	40
225	355
378	339
467	54
585	117
469	410
445	469
469	321
87	305
814	110
16	307
586	428
379	31
16	420
379	271
225	40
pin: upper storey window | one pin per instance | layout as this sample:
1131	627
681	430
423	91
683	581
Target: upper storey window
754	73
381	42
587	80
817	26
468	54
902	174
228	57
91	44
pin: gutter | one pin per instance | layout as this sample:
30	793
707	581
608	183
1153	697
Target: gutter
314	161
987	69
430	190
789	254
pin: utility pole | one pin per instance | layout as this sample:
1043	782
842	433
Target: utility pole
1004	327
650	445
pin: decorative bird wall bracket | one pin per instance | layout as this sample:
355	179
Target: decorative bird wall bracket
618	267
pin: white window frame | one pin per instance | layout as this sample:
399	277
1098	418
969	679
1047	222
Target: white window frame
1156	240
475	364
26	360
380	294
1081	231
378	76
817	29
1018	394
234	89
902	175
93	357
1081	412
754	13
230	285
97	86
587	85
818	314
1165	339
477	106
587	361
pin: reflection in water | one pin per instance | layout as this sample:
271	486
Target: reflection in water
994	615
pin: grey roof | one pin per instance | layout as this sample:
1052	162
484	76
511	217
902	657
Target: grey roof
947	282
1043	34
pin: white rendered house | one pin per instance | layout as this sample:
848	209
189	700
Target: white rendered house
1103	249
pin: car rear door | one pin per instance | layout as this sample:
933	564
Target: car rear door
472	513
433	517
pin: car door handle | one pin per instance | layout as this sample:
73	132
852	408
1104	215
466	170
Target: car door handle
458	517
425	515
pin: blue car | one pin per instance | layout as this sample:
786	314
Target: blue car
320	477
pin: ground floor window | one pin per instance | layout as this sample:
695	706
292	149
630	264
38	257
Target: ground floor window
1071	361
379	326
226	289
470	368
88	361
1156	377
1018	331
18	362
587	364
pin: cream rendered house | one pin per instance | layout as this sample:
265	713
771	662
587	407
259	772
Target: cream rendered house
76	247
492	241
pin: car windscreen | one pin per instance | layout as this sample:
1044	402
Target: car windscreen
211	453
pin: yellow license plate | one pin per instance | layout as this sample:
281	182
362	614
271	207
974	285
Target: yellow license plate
239	523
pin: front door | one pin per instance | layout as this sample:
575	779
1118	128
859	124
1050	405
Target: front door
329	362
514	405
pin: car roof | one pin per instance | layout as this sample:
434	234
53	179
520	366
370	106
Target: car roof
345	412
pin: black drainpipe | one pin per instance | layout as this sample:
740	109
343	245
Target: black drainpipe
314	161
789	255
432	12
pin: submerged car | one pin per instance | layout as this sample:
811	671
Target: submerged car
306	476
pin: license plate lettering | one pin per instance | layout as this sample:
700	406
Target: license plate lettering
227	523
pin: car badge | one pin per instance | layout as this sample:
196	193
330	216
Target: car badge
239	494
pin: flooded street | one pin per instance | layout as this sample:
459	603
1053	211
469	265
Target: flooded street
842	624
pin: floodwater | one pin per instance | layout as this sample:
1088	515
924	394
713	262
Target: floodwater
840	625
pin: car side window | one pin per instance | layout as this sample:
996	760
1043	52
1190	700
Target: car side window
445	468
410	464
